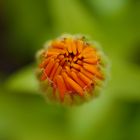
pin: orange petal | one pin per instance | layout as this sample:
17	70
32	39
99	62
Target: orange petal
73	46
67	69
61	51
54	70
94	70
44	63
75	58
60	57
49	53
86	73
79	46
57	44
75	78
69	47
61	86
49	67
91	60
75	86
43	77
62	62
85	79
89	55
57	72
64	75
87	50
74	70
76	66
79	62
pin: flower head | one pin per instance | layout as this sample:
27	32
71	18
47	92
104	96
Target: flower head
71	69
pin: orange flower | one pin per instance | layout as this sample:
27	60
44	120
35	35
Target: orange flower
71	66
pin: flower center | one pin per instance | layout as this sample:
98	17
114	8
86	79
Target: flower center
70	65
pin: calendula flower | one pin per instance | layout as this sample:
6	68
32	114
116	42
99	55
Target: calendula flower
71	69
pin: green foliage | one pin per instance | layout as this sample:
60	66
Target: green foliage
113	115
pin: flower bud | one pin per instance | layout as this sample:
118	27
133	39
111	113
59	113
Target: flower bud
71	70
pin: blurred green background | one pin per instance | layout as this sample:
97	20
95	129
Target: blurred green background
25	25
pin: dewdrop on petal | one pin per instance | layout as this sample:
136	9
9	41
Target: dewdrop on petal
71	70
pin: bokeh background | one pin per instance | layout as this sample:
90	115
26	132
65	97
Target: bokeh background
24	27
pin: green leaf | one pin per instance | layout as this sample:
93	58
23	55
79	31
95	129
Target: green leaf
72	17
24	81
